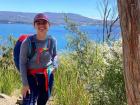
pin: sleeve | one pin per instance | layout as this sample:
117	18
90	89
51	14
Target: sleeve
54	55
23	62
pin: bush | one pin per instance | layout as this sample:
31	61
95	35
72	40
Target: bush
69	88
9	77
99	67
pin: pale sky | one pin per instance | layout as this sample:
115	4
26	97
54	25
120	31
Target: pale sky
88	8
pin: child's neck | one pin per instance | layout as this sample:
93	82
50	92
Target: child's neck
41	36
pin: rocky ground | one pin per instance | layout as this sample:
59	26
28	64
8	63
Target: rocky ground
7	100
12	100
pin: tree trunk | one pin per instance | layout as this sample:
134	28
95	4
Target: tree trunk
129	12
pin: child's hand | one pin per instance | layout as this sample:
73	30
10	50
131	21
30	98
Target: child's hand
25	90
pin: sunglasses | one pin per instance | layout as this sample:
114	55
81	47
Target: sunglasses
41	22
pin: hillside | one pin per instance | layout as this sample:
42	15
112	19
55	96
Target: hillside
55	18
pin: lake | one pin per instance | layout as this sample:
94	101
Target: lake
59	32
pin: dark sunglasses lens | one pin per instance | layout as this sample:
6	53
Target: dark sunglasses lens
41	22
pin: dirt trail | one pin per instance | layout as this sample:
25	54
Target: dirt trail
11	100
7	100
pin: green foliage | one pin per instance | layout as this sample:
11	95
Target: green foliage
98	67
110	90
9	77
9	81
68	87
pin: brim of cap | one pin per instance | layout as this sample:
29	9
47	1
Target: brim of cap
41	19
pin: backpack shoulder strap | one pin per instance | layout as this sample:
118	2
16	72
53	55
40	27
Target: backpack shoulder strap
50	41
51	44
32	46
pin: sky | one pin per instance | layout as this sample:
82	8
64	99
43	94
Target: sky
88	8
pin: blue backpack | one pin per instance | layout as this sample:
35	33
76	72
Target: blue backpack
16	51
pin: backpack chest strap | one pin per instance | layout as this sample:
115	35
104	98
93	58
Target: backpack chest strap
39	51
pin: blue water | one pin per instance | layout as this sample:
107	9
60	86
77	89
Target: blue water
59	32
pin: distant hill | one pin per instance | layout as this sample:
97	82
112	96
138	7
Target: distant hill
55	18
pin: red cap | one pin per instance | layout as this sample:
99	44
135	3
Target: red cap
41	16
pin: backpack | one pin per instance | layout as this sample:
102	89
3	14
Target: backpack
16	51
32	48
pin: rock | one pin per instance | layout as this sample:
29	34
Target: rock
7	100
4	96
19	101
